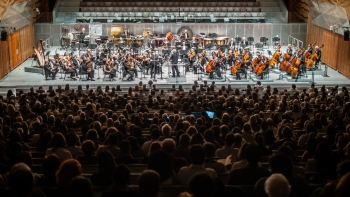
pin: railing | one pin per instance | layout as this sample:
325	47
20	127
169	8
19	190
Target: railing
298	43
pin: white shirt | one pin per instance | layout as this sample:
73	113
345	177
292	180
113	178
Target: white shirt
186	173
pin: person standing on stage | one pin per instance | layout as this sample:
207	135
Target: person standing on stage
319	55
232	44
154	62
185	34
289	50
302	66
174	58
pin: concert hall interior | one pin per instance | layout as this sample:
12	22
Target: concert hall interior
176	98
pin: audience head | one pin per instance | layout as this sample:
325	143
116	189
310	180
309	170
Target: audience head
197	154
67	171
277	186
149	183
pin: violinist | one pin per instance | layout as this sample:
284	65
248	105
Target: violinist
319	55
76	61
99	54
202	59
87	68
191	56
108	67
152	43
49	67
89	54
68	68
230	57
58	59
147	61
193	42
132	53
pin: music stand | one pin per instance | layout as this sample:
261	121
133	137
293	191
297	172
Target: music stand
259	46
110	45
264	41
92	46
122	44
250	41
238	40
276	40
195	44
208	46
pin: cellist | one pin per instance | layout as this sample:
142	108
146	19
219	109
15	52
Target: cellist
289	51
302	66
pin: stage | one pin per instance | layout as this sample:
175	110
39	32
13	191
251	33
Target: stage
18	78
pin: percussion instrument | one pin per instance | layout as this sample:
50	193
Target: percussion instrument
139	40
147	32
169	36
221	41
208	41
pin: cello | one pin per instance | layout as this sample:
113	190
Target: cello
235	67
260	67
312	59
276	56
255	61
210	66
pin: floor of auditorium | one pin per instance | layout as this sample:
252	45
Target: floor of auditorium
19	78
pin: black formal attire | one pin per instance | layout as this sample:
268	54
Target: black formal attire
152	43
73	72
76	62
53	73
90	73
174	61
242	70
185	35
112	72
154	63
216	69
146	65
290	51
232	44
309	49
244	43
193	43
319	55
302	66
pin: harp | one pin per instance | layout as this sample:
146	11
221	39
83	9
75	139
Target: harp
39	52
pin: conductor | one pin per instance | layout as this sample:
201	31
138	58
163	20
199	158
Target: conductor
174	60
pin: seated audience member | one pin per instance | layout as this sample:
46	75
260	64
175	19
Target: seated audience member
168	145
58	144
72	141
50	165
160	162
202	185
120	186
126	157
88	157
80	186
277	186
155	134
111	146
227	149
251	173
210	161
106	165
149	183
67	171
197	155
183	148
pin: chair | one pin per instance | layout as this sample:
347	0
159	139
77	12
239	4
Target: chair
66	73
104	75
266	72
82	74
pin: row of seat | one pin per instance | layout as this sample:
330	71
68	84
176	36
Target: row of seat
168	9
181	1
169	4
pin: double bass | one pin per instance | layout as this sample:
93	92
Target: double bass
210	66
314	56
260	67
276	56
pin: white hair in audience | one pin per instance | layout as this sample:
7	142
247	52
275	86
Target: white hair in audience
277	186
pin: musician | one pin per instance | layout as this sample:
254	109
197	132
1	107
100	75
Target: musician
76	61
309	48
216	68
49	67
132	53
230	58
174	60
185	34
108	67
126	32
296	52
131	63
184	48
247	52
68	68
146	62
87	68
99	54
266	62
232	44
258	55
302	67
154	61
289	50
244	42
191	56
319	55
193	42
152	43
242	70
90	55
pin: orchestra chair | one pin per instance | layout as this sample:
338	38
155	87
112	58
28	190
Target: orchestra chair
66	73
105	75
266	72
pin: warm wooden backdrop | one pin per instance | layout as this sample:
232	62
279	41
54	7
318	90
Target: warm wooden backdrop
336	51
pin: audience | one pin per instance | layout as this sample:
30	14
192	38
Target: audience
254	133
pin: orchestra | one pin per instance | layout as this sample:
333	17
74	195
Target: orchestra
188	51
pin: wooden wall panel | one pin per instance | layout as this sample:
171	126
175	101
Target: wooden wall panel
4	59
335	52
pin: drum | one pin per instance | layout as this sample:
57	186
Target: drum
208	41
220	41
169	36
128	41
159	42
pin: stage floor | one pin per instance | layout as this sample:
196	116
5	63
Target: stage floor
18	78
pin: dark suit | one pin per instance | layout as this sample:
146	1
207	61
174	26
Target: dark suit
154	62
302	66
174	61
85	71
290	51
319	55
232	44
53	73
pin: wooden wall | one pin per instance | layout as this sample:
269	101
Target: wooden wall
18	46
335	52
